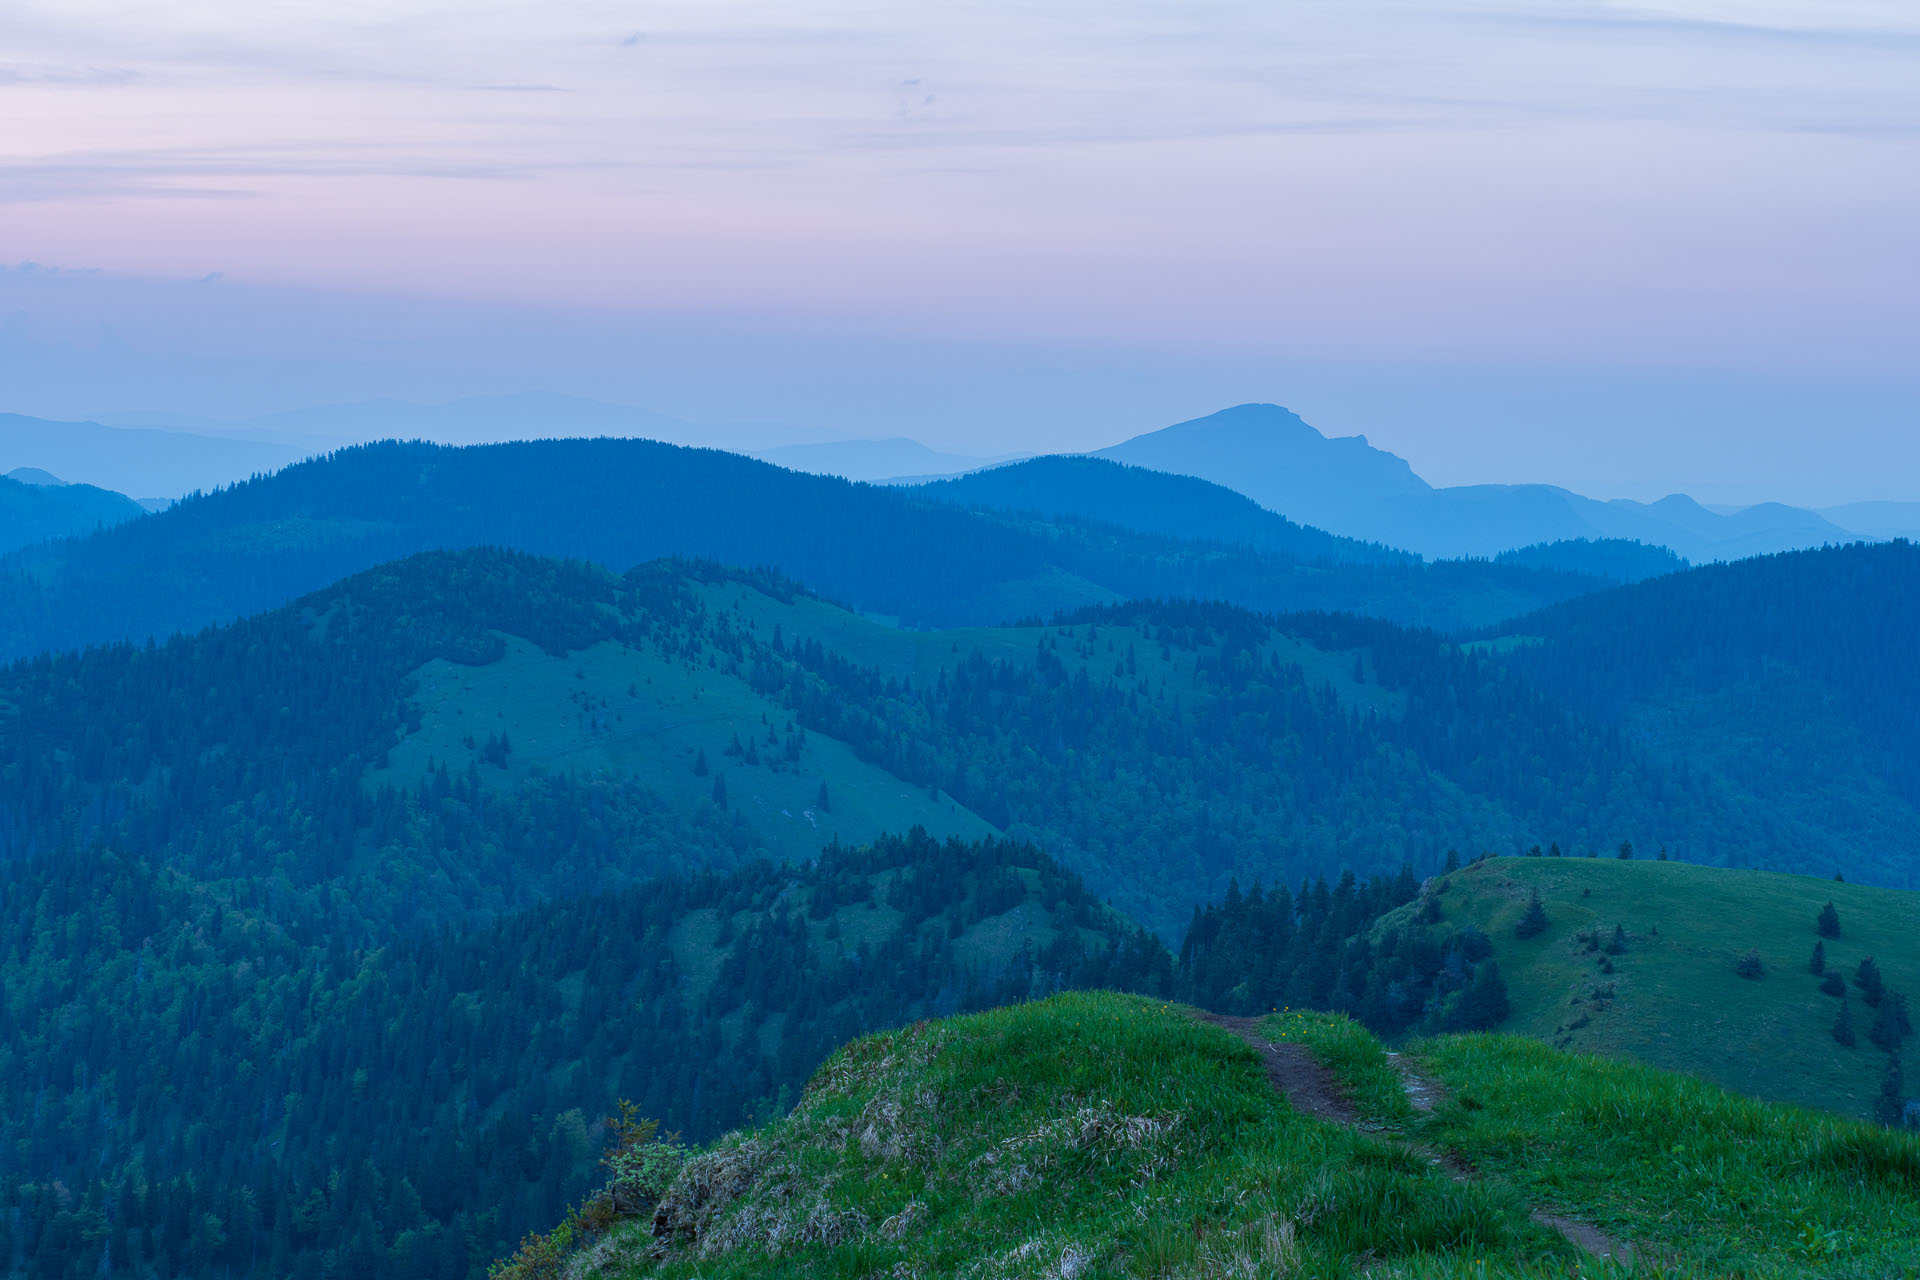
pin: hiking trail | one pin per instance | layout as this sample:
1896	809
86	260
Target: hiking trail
1310	1088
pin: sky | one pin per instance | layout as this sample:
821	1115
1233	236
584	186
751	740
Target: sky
1632	249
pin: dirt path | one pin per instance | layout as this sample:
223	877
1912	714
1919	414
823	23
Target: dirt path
1302	1081
1294	1071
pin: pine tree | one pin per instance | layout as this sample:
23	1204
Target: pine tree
1890	1108
1626	851
1535	921
1750	966
1843	1024
823	802
1819	962
1617	945
1873	987
1827	925
1833	984
720	789
1887	1030
1452	863
700	766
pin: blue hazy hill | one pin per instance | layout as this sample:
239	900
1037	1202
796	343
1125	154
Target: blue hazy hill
219	556
34	506
1149	501
1346	486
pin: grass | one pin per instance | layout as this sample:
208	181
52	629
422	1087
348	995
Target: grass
1086	1135
613	708
1679	1165
1096	1135
1700	1181
1674	998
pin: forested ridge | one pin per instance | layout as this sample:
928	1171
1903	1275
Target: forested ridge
254	546
1790	676
192	1090
270	1008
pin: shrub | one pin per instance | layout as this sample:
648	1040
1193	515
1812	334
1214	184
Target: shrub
1750	966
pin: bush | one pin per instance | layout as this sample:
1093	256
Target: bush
1750	966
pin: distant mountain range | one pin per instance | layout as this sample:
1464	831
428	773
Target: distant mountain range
1346	486
886	551
142	461
36	506
1342	485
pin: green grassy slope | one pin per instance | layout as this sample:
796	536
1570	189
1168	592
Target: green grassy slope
1676	1000
1694	1180
638	711
1096	1135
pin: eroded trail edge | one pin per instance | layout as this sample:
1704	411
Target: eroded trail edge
1310	1088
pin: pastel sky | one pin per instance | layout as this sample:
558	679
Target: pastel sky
1629	248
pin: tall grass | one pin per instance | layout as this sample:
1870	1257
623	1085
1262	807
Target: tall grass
1095	1135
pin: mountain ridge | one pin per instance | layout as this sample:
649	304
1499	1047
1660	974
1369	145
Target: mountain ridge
1346	486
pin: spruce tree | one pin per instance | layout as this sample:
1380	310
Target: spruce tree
1873	987
823	802
1750	965
1843	1024
1535	921
1833	984
1819	962
1890	1108
720	789
1452	863
1626	851
1887	1030
1617	945
1827	924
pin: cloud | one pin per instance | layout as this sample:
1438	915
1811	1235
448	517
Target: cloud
14	73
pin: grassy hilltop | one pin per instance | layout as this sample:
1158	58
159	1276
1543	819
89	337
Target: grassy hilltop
1097	1135
1675	997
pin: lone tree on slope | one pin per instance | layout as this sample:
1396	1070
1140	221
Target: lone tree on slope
1535	921
1827	925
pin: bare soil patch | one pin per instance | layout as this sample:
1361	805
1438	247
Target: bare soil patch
1294	1072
